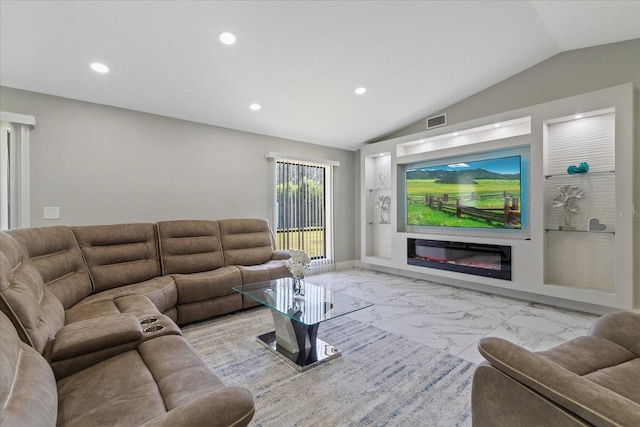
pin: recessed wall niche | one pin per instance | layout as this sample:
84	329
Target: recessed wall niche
378	205
580	199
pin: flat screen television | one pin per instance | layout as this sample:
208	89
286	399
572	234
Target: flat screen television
470	194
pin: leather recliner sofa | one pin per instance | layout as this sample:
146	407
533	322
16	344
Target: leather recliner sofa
100	306
592	380
160	382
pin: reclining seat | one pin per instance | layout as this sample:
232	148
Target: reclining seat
55	254
28	395
592	380
249	245
190	251
31	305
123	261
160	383
42	266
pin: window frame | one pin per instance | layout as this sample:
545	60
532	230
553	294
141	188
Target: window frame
317	264
18	197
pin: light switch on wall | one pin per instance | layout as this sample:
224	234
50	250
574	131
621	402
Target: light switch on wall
51	212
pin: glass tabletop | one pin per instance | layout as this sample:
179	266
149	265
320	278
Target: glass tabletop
314	304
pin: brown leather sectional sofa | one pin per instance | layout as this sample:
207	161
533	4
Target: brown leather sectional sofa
592	380
90	320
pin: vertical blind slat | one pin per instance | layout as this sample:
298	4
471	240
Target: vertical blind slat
301	216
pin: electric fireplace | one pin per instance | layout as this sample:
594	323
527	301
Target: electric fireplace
470	258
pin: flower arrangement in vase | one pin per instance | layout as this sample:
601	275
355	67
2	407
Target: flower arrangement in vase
298	265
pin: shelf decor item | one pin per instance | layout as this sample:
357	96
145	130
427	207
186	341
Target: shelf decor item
382	182
383	204
594	224
567	201
583	168
298	265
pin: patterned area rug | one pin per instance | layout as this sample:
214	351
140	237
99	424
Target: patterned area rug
381	379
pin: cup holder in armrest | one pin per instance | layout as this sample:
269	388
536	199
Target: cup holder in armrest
154	328
156	325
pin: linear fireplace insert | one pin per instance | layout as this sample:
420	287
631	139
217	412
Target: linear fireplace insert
470	258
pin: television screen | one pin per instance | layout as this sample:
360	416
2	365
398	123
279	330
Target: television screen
473	194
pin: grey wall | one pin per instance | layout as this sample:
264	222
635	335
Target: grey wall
566	74
105	165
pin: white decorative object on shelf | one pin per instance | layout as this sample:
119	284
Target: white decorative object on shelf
383	204
382	184
567	200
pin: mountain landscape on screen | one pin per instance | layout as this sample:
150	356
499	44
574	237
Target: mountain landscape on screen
475	194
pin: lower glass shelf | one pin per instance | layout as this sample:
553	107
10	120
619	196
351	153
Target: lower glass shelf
578	231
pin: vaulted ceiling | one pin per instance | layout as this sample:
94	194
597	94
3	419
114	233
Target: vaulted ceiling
300	60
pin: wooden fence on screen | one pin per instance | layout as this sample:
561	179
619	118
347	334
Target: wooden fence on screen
507	215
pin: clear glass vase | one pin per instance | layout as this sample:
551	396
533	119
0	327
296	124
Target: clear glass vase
298	285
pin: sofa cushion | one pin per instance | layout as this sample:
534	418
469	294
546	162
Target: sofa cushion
127	391
160	290
55	253
587	354
189	246
35	311
246	241
28	394
207	285
94	335
194	311
138	386
623	378
622	328
270	270
227	407
119	255
138	305
175	369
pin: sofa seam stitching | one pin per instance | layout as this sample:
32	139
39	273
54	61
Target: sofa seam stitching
15	380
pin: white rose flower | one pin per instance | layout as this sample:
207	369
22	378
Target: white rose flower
298	263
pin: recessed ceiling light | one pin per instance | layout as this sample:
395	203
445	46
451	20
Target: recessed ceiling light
456	134
227	38
577	116
360	90
255	107
99	68
497	125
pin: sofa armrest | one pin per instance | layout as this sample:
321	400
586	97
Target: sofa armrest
592	402
96	334
280	255
228	406
622	328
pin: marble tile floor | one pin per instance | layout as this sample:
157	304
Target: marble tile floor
454	319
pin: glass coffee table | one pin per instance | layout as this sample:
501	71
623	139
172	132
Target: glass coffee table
297	315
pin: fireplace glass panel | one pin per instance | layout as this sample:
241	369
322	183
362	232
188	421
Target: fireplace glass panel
469	258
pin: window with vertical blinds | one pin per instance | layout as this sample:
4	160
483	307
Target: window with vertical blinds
303	208
15	200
